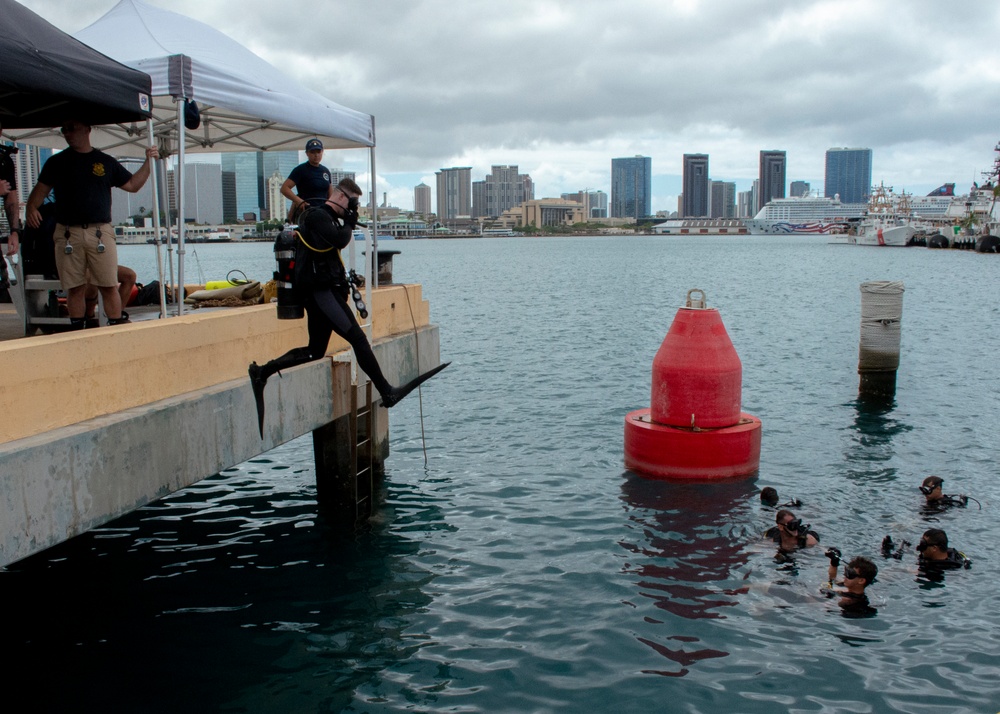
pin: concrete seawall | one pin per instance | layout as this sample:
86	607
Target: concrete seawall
104	421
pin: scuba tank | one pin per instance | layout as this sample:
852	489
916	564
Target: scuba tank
284	255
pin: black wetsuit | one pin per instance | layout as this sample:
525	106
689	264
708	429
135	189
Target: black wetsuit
954	561
774	533
944	503
321	286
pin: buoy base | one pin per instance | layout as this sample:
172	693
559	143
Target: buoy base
666	452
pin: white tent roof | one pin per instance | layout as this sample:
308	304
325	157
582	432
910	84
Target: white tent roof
246	104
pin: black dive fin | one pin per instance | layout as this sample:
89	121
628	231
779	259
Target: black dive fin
397	393
257	383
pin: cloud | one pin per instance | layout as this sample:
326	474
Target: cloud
561	88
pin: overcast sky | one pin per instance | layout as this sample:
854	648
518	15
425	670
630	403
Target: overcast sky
562	87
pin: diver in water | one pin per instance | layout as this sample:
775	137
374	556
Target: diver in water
322	285
935	555
937	501
769	497
790	533
858	575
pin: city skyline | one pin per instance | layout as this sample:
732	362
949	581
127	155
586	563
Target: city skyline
462	85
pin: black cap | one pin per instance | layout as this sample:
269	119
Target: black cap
314	144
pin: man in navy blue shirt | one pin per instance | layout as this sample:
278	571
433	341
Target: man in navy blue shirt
85	247
311	181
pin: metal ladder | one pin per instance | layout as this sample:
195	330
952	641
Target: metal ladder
363	413
362	426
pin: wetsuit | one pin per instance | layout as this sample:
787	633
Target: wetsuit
321	286
944	503
954	561
774	533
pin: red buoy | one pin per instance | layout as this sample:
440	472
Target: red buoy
694	428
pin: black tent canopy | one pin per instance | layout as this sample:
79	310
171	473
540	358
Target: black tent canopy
49	76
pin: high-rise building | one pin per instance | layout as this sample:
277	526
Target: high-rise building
28	162
848	174
244	181
721	199
454	192
799	189
124	205
203	193
595	203
695	186
772	177
503	189
746	204
631	187
422	199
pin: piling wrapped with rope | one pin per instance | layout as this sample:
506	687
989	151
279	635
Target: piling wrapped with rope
881	329
881	325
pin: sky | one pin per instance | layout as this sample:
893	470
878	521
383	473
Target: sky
559	88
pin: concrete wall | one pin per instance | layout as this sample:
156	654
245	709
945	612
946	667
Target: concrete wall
67	478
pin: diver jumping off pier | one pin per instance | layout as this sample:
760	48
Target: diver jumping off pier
323	287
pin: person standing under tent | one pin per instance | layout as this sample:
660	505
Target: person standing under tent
311	181
82	178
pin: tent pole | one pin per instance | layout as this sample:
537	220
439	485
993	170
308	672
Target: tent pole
156	223
179	189
165	203
373	255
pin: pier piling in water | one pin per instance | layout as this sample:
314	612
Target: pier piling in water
881	328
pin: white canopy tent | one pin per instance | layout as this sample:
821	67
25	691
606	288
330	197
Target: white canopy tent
245	103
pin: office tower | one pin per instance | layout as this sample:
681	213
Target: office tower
422	199
125	205
695	186
28	162
722	199
799	189
203	193
502	189
746	204
595	203
849	174
244	181
454	192
631	187
772	177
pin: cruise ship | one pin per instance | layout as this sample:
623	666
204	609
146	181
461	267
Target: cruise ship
805	214
819	215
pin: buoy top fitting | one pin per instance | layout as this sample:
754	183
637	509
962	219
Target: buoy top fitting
697	303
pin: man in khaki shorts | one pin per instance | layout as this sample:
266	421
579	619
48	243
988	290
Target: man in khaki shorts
82	178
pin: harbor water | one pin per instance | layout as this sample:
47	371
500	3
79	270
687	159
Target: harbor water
514	565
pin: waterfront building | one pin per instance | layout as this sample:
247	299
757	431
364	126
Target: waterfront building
721	199
772	177
631	187
278	210
244	181
848	174
551	212
745	204
422	199
454	192
595	203
799	189
124	205
695	186
502	189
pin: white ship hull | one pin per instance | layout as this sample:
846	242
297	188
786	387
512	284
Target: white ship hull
763	226
884	235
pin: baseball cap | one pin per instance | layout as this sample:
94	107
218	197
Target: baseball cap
314	144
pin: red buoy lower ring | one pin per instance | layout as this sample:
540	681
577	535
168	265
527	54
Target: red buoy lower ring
666	452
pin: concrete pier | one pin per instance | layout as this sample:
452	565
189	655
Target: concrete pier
103	421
